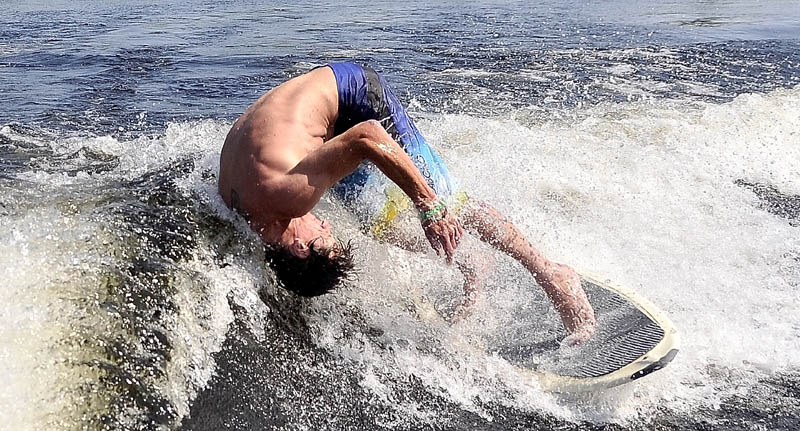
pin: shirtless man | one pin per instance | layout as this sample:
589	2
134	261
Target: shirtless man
340	127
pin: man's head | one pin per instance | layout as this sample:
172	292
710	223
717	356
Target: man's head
308	260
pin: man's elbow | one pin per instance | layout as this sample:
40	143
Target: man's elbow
365	137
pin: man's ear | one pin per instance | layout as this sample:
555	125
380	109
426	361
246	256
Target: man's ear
299	249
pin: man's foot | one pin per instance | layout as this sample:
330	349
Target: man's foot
563	285
474	271
463	310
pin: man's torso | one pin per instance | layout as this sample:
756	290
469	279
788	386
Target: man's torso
293	119
275	134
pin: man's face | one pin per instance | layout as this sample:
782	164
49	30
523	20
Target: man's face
307	231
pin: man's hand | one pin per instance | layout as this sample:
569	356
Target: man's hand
443	233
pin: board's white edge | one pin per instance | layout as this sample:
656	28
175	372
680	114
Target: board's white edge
671	340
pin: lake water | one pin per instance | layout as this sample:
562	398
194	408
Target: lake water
655	143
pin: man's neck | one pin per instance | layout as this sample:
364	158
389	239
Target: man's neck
276	232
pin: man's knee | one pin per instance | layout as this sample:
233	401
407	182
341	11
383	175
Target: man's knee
479	215
472	210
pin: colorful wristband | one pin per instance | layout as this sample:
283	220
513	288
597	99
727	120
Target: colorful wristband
434	213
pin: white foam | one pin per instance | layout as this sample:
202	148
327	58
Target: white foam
41	261
53	260
467	72
643	193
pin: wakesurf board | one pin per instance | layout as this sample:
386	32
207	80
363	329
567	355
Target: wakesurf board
633	339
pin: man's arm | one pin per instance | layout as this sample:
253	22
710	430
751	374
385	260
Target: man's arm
560	282
305	184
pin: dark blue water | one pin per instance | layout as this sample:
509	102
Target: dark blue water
135	302
103	65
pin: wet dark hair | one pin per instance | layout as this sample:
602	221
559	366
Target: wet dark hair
315	275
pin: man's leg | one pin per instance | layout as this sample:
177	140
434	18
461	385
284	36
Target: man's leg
560	282
475	268
404	232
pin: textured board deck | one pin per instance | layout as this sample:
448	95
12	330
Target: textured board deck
633	339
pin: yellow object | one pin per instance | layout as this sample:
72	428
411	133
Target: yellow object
397	202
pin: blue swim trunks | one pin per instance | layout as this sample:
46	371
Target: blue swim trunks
364	95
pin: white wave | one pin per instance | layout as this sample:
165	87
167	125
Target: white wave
643	193
38	258
621	69
467	72
54	260
6	49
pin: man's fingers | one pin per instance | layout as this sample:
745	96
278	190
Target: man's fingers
456	236
444	236
434	240
449	248
458	232
436	246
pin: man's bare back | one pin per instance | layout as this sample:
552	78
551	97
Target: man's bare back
273	136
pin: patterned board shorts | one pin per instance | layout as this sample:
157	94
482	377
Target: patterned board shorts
364	95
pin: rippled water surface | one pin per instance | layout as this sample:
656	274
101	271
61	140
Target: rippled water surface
655	143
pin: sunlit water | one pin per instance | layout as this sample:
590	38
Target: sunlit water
656	144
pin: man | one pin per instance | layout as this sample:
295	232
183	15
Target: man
340	127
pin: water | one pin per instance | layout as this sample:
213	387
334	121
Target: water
656	144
